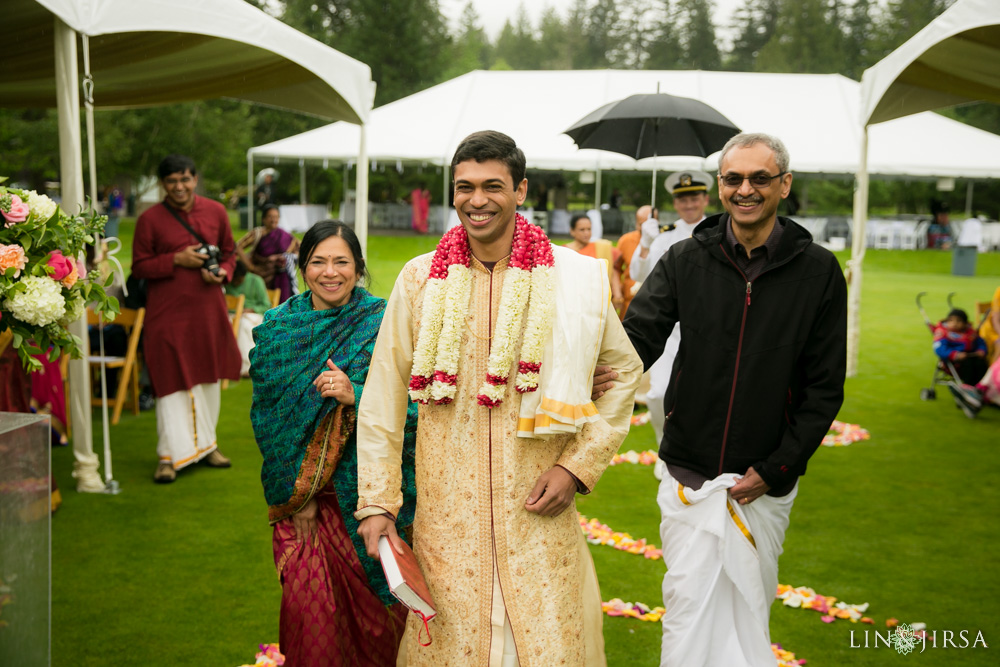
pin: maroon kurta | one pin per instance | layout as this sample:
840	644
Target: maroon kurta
188	339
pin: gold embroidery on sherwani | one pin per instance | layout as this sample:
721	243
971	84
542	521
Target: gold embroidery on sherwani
473	477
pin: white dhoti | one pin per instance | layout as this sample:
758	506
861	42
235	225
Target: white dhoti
722	573
244	338
659	380
185	424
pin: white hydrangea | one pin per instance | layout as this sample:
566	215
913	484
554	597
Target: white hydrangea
42	208
74	310
42	303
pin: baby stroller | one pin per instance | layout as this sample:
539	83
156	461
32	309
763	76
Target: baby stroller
944	370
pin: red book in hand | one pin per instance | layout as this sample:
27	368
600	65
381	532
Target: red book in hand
405	579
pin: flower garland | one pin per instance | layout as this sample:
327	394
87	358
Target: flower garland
528	286
596	532
806	598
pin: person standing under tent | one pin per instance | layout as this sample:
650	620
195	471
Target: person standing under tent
188	342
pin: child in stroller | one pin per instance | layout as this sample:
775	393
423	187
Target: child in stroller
957	341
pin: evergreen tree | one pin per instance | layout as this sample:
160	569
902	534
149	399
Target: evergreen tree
631	34
806	39
554	42
696	34
405	42
472	48
517	44
664	47
754	23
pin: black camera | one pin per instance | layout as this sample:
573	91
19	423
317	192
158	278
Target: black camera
211	264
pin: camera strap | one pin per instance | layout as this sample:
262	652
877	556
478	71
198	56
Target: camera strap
186	225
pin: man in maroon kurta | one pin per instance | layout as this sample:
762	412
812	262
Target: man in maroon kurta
188	341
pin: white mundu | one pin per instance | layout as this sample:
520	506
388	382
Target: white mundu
722	573
659	372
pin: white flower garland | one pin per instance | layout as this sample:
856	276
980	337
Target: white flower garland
528	286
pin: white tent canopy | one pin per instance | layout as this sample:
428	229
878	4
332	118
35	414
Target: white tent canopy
955	59
816	115
150	52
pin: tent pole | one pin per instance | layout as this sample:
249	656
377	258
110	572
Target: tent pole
854	265
597	189
361	199
85	462
445	172
302	181
250	192
968	200
111	486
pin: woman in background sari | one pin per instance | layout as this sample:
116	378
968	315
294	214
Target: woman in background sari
309	367
270	252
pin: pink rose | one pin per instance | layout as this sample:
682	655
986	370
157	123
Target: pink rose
64	268
12	256
13	209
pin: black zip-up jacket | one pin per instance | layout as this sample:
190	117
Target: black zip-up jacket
759	376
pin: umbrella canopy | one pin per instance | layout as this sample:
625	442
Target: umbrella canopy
643	126
650	125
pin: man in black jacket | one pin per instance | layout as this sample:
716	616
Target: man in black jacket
757	381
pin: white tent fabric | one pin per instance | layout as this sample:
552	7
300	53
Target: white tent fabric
816	115
955	59
150	52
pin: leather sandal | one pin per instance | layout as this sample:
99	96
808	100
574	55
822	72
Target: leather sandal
165	473
216	460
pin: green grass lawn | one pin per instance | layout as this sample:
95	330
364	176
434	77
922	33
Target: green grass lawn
183	574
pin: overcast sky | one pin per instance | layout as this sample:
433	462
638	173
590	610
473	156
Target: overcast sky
493	13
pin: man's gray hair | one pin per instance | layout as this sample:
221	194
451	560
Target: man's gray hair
748	139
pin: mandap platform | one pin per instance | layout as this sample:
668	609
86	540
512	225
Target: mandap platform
25	540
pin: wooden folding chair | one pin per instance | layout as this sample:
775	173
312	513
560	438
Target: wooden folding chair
234	304
275	296
131	321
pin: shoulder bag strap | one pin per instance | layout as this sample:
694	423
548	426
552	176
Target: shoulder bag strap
185	224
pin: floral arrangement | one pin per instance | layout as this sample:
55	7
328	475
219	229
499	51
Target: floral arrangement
528	286
842	434
43	287
269	655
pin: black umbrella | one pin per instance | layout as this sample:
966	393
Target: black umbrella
644	126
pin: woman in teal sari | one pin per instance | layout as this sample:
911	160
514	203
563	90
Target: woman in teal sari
308	367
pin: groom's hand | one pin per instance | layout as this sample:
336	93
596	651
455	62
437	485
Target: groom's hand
373	527
553	492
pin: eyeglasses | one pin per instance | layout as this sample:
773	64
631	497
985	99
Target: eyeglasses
756	180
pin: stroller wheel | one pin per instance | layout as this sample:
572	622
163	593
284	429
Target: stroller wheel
927	394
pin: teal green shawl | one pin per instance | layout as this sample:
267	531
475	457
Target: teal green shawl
306	440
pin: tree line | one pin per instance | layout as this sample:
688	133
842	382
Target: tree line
410	46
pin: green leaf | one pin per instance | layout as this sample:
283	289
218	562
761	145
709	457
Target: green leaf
26	242
54	353
18	339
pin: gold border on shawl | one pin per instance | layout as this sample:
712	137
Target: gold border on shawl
680	494
740	524
322	455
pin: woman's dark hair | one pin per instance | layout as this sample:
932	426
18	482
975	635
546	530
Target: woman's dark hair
491	145
323	230
175	164
267	207
576	218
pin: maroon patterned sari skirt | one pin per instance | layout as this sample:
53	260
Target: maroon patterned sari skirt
329	615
